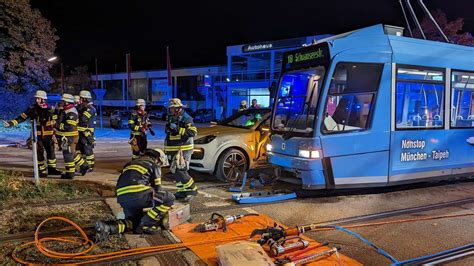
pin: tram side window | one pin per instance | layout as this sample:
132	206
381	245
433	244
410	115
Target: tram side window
462	97
419	102
351	97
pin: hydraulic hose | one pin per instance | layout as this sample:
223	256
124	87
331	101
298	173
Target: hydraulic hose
471	245
81	257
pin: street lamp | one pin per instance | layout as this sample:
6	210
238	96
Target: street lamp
52	59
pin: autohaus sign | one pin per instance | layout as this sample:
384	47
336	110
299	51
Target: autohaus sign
288	43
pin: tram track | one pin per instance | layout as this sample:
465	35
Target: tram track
163	257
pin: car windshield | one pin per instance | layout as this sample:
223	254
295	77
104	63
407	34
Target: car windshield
246	119
297	99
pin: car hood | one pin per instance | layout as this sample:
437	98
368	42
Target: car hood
218	130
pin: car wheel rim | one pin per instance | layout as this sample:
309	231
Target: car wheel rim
234	166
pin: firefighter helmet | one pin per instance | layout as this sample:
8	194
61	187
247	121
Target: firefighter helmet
159	154
85	94
243	103
175	102
140	102
41	94
67	98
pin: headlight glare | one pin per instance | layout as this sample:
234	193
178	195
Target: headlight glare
269	147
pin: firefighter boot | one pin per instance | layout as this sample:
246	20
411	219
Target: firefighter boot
53	171
67	175
148	229
84	169
106	228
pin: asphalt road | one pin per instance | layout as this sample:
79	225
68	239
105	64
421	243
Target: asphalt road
403	241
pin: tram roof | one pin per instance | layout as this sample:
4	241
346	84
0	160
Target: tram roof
383	40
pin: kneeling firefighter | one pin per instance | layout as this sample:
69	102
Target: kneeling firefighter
138	187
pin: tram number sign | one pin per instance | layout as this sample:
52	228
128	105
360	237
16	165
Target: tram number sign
313	55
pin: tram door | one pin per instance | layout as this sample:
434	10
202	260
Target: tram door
355	128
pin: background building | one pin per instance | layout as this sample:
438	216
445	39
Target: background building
251	71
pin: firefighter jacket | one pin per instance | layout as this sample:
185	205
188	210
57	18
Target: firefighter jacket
43	116
180	131
138	122
68	119
137	176
87	115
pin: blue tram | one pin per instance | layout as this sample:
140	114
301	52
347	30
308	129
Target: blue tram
374	108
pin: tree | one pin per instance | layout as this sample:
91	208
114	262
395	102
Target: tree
27	40
452	29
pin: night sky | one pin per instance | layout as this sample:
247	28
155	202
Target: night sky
198	31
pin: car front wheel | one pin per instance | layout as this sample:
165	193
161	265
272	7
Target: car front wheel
231	165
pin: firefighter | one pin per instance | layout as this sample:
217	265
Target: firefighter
87	115
138	187
243	105
139	123
179	146
66	130
43	114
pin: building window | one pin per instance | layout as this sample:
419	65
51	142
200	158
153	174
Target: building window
462	97
419	98
187	87
351	97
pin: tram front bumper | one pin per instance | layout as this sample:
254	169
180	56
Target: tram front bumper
310	171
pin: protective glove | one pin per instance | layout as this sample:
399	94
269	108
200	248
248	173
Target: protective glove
173	126
6	124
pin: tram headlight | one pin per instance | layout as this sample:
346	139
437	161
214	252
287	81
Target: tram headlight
310	154
269	147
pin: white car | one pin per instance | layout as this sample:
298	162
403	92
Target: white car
232	146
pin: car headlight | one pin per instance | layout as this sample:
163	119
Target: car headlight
205	140
310	154
269	147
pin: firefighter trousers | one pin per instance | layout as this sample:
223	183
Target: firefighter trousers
85	150
68	145
184	181
45	144
134	203
139	145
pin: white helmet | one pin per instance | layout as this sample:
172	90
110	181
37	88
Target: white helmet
67	98
159	154
41	94
175	102
85	94
140	102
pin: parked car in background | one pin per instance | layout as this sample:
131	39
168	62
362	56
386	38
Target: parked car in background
234	145
203	115
119	119
158	112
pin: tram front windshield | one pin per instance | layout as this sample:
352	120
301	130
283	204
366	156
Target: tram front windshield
296	100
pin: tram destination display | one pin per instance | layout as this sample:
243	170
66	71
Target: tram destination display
313	55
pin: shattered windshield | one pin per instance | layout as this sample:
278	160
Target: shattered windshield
296	100
247	118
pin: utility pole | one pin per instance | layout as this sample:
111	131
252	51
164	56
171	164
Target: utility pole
62	79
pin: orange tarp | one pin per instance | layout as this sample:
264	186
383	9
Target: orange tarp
241	230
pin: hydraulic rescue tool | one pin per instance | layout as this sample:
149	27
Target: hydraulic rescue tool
285	245
277	232
298	260
218	221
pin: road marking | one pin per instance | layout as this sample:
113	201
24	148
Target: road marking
250	210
